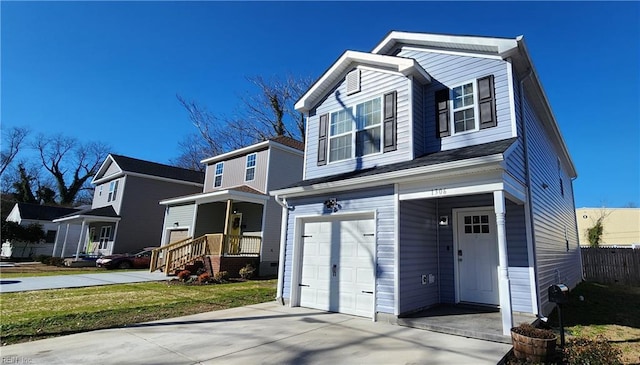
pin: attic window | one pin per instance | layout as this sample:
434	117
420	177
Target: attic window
353	82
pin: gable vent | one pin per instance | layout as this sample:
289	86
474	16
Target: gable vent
353	82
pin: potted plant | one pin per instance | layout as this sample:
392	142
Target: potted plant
532	343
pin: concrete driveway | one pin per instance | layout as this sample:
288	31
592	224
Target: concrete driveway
265	333
76	281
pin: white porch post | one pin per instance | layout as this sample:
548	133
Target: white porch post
503	271
55	241
115	233
64	243
82	235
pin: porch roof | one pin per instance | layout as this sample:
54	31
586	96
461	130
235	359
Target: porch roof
430	159
102	214
242	193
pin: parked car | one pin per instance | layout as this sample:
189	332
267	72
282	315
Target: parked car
138	260
83	260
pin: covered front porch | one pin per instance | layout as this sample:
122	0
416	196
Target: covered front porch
225	226
466	257
98	232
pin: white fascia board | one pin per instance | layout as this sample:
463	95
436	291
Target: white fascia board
217	196
499	46
151	177
438	170
551	121
238	152
87	218
405	66
103	166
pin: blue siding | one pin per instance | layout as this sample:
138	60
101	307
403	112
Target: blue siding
381	201
554	218
418	254
452	70
419	111
515	160
373	84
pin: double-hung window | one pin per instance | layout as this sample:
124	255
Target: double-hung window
217	179
464	107
113	191
250	172
105	236
358	134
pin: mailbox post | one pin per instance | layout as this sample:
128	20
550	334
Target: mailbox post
559	294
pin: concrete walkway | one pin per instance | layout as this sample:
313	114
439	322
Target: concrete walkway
265	333
76	281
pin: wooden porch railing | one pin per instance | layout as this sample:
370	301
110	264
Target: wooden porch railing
178	254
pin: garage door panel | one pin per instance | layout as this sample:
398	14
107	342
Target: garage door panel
350	245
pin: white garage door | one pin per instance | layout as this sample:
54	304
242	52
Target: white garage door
178	235
338	266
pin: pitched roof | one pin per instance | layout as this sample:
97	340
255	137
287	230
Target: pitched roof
289	142
43	212
463	153
129	164
107	211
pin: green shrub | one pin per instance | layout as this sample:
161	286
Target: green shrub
45	259
221	277
583	351
56	261
247	271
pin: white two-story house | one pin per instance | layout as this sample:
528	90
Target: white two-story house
434	173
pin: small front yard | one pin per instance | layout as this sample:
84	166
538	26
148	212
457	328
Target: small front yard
34	315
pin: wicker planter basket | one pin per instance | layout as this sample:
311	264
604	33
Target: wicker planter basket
533	349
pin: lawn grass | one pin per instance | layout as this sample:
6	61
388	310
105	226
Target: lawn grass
612	311
33	315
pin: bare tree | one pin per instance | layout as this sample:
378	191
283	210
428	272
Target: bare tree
12	141
265	113
70	162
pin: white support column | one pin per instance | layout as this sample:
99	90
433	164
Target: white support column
503	259
82	235
55	241
64	243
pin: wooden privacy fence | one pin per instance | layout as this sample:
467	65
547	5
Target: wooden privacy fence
611	265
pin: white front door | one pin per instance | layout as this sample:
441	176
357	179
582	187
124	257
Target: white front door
338	266
477	256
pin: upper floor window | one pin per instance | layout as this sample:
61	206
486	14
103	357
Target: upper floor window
464	106
113	191
250	172
362	130
467	107
217	179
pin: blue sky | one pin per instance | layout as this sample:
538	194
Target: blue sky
111	71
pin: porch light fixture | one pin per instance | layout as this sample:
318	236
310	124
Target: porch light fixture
175	224
443	221
332	204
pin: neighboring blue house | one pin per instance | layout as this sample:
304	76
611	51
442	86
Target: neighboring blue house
434	173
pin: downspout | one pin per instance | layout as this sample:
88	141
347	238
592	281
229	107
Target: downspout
283	243
528	178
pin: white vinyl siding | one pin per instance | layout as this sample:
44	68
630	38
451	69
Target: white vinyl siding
449	71
379	200
374	84
235	173
554	217
180	214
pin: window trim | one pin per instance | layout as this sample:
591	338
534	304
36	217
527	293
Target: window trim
113	191
354	130
216	174
476	108
247	167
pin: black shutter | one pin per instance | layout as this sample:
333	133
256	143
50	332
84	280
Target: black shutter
487	102
322	139
390	122
442	113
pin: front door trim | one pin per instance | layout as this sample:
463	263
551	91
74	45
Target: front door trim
454	217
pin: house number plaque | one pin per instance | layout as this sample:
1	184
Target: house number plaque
438	191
